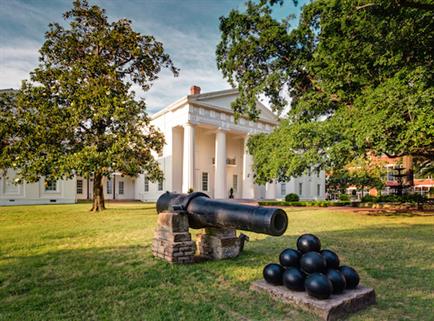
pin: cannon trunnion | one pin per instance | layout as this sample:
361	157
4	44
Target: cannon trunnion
204	212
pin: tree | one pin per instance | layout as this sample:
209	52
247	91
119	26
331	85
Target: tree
8	126
358	75
361	172
369	172
78	115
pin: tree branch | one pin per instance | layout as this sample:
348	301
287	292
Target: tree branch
402	3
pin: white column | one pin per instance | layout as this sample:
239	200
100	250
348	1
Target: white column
188	158
248	183
220	165
270	190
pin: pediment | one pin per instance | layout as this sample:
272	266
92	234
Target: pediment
223	99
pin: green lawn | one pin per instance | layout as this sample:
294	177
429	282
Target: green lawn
62	262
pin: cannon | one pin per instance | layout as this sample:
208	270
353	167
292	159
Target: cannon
204	212
220	219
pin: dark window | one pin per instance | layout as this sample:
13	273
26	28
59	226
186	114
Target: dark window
79	186
204	181
235	182
121	188
50	186
109	186
146	184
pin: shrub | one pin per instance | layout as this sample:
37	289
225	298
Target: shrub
344	197
369	198
414	198
342	203
292	197
407	198
389	198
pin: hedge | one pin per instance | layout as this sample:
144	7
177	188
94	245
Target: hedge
305	203
407	198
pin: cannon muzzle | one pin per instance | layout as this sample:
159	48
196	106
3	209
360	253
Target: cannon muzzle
203	212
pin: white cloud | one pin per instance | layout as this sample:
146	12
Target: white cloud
17	59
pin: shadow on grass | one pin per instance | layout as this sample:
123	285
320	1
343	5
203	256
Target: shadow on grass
128	283
400	213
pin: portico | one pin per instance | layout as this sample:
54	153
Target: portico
214	160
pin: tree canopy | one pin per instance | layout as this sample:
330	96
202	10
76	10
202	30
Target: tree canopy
78	115
357	74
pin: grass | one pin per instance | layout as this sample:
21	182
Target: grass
60	262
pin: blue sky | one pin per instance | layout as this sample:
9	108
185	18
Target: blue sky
187	28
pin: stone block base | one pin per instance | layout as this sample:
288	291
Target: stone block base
334	308
172	241
218	243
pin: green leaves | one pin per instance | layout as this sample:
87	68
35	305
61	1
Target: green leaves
358	77
77	114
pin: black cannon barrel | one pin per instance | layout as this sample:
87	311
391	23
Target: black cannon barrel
206	212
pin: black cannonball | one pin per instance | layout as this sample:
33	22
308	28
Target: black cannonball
318	286
289	257
312	262
331	258
293	279
308	242
337	279
351	276
273	273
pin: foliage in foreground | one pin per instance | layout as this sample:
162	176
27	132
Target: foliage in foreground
77	115
359	76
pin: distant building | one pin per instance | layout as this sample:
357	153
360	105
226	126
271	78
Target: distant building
420	185
205	151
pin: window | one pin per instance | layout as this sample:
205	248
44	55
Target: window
121	188
300	188
109	186
79	186
283	189
318	172
235	182
318	189
50	186
309	172
390	173
146	184
204	181
160	185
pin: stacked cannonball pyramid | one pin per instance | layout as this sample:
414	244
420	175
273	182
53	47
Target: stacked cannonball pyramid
309	268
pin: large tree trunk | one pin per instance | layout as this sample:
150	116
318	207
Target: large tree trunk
98	194
408	165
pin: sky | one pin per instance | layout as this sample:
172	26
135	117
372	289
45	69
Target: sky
188	29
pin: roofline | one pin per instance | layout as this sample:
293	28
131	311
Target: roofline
195	100
224	110
172	106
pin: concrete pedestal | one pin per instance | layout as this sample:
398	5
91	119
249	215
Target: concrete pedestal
172	241
218	243
334	308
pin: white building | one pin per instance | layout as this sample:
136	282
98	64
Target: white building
205	151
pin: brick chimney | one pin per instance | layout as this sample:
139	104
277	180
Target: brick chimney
194	90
